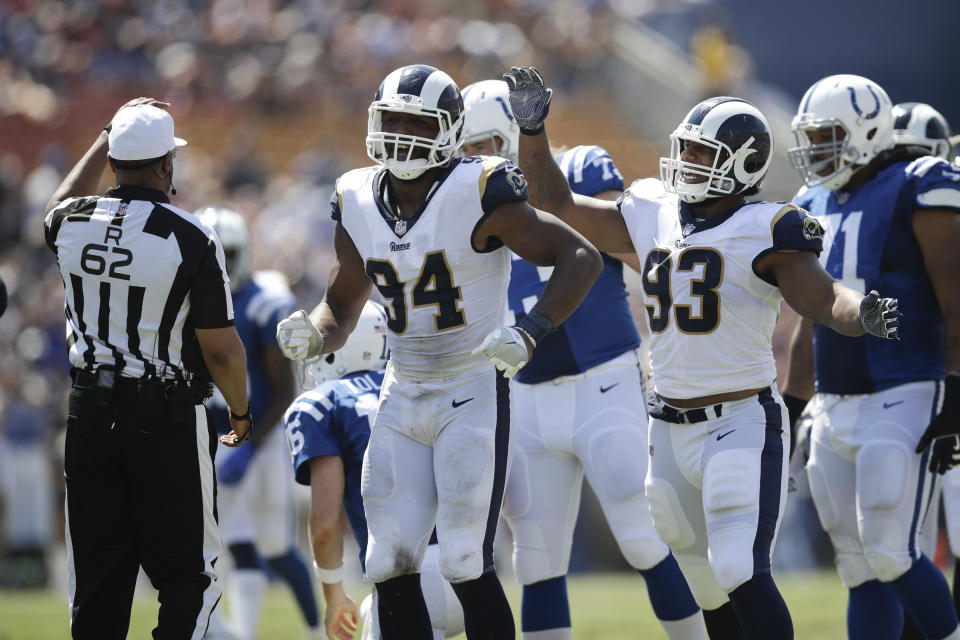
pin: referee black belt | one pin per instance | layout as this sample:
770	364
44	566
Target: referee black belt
104	378
687	416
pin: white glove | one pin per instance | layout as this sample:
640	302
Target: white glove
506	349
297	336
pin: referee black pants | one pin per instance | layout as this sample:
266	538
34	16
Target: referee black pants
140	492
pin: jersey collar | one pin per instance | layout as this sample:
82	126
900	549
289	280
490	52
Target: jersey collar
128	192
689	223
401	225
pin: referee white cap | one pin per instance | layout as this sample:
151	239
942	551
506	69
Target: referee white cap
142	132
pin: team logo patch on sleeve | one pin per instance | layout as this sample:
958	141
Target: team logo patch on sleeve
812	229
517	181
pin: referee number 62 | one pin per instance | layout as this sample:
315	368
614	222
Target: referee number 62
93	260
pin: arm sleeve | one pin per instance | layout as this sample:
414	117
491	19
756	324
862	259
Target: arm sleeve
939	188
211	306
309	426
501	182
793	229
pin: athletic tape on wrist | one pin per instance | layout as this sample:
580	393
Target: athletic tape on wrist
536	325
328	576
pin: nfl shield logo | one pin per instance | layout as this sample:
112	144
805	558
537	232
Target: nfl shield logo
400	227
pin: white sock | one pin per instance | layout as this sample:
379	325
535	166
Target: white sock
245	594
689	628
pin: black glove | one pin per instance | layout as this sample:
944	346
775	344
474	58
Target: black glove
944	431
795	407
879	316
529	98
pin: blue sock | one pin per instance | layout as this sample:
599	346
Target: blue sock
668	590
761	609
245	556
545	605
925	595
294	570
874	612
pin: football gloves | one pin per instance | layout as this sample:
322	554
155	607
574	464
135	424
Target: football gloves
297	336
506	349
944	431
879	316
529	98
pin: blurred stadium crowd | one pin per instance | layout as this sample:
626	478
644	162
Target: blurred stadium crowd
272	95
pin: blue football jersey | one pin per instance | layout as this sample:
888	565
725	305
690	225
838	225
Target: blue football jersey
258	306
602	327
870	244
333	419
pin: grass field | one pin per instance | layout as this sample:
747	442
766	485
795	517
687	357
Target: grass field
604	607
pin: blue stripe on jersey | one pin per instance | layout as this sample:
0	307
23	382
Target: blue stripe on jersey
924	474
333	419
602	327
878	218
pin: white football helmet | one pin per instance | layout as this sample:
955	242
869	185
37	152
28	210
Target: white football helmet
364	350
920	125
742	142
423	91
857	114
488	116
235	238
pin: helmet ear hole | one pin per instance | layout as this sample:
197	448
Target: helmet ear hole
330	358
871	133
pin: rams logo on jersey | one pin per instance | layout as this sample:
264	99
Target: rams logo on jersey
516	180
812	229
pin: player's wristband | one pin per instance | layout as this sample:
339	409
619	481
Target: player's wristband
536	325
328	576
245	416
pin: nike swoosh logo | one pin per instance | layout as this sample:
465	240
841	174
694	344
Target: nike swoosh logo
724	435
887	405
604	389
462	402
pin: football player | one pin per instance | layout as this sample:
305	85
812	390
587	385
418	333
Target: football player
579	409
328	428
884	418
715	270
255	486
430	231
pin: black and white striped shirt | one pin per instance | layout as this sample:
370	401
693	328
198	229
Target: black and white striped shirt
140	275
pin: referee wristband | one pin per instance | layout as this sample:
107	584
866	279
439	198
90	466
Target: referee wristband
536	325
328	576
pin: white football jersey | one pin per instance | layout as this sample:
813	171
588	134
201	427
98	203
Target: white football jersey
442	294
711	315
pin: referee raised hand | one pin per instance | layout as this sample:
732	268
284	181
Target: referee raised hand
150	326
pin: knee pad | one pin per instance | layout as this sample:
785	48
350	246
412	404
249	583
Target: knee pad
885	517
460	560
703	584
389	560
731	481
732	561
644	552
668	517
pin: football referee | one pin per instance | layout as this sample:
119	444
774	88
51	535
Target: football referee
149	326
